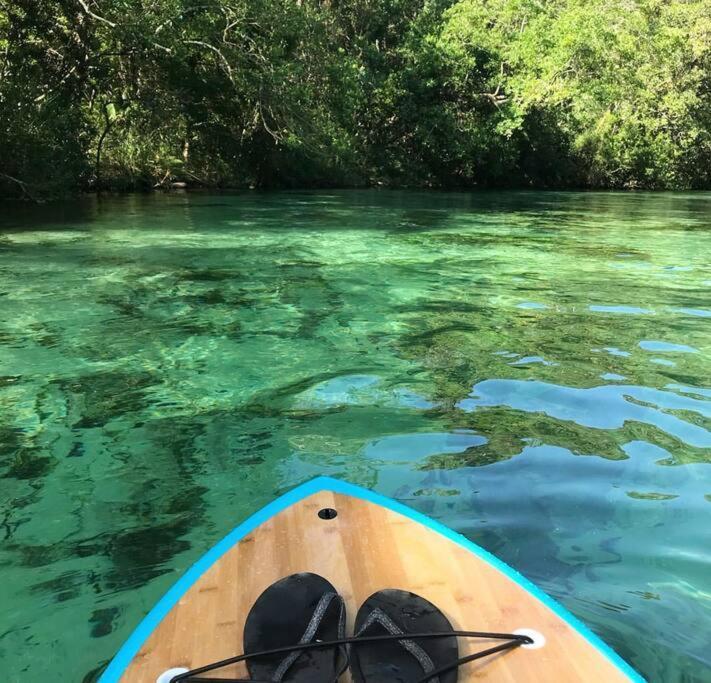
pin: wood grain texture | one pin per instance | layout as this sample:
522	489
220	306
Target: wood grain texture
364	549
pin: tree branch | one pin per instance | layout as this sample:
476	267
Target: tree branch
495	97
23	186
225	63
41	97
95	16
188	10
99	147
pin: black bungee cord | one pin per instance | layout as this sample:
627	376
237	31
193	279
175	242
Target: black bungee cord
513	640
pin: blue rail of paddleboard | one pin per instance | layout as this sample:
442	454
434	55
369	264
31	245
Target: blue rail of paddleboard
123	657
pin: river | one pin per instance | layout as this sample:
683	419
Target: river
532	369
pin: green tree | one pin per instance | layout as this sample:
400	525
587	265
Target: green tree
123	94
624	82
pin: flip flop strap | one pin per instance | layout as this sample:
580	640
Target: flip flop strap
380	617
310	632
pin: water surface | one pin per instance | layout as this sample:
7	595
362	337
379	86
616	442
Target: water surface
530	369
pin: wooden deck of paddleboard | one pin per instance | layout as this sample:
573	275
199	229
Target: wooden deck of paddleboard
364	549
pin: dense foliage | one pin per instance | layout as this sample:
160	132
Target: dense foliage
127	94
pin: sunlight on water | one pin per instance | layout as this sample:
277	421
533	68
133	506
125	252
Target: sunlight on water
530	369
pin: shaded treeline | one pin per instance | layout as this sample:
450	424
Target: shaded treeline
128	94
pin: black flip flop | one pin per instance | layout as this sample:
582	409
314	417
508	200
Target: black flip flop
298	609
392	612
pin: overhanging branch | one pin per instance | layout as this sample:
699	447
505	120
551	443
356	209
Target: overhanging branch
85	6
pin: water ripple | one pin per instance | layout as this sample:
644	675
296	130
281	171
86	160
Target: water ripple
603	407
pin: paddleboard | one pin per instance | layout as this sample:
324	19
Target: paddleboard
361	542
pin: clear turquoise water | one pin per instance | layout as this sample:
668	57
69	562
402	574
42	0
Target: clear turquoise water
530	369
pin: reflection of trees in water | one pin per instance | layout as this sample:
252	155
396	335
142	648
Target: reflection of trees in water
469	329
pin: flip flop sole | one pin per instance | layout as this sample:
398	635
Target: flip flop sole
401	661
295	609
